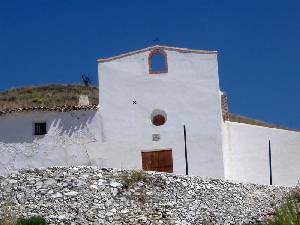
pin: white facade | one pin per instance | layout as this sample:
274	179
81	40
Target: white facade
117	134
246	154
188	94
66	142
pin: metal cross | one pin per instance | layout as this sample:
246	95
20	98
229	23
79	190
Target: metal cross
156	40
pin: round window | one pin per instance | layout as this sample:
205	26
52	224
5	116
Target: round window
158	117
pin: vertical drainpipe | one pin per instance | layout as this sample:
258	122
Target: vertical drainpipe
185	152
270	163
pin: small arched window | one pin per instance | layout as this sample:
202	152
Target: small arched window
158	61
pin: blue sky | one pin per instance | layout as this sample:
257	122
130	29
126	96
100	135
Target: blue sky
54	41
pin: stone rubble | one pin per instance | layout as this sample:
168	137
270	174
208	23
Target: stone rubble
90	195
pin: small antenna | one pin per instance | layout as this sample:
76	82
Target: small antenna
86	79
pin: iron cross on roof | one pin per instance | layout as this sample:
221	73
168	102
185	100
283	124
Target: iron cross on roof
156	40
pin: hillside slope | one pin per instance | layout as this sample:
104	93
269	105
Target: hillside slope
67	95
48	95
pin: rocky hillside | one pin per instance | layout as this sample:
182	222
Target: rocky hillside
89	195
49	95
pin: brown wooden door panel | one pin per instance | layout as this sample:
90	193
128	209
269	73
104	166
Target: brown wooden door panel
165	158
146	161
160	161
150	160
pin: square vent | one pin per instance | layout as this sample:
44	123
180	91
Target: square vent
155	137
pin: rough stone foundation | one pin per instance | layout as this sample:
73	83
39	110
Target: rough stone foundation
89	195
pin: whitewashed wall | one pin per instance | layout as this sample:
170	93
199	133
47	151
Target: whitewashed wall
69	139
188	93
246	154
115	135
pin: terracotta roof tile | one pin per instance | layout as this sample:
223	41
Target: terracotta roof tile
64	108
247	120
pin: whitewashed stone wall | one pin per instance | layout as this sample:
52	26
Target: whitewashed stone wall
189	95
116	134
69	139
87	195
246	154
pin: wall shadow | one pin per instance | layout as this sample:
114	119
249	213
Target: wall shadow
19	129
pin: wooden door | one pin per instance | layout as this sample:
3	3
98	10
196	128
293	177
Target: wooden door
160	161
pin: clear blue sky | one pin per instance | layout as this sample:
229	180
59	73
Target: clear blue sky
54	41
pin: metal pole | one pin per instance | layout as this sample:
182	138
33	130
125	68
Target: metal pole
270	163
185	153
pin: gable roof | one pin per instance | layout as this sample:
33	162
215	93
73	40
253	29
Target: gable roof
182	50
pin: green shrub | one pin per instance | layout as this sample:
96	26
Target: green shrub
41	101
34	220
287	214
295	194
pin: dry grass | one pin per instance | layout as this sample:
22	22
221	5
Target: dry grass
58	95
7	215
50	96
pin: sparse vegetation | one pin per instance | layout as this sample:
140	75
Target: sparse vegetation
34	220
50	96
133	177
288	213
295	194
9	218
58	95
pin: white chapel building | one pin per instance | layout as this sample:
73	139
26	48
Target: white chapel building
146	98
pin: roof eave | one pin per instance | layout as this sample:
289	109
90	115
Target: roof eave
64	108
182	50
